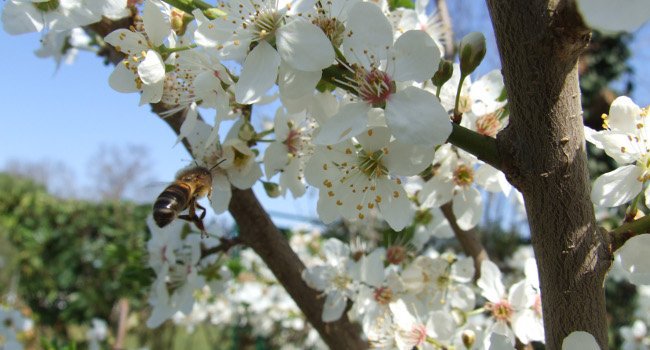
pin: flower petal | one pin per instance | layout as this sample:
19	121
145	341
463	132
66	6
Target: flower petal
468	208
415	116
350	120
416	56
304	46
614	16
152	69
617	187
395	205
258	73
156	24
122	79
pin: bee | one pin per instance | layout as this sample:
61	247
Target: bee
191	184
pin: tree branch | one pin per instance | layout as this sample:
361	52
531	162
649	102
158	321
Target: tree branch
623	233
258	232
469	240
483	147
543	147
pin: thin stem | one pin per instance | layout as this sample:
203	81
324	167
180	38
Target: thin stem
458	116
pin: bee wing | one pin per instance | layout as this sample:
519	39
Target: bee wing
152	190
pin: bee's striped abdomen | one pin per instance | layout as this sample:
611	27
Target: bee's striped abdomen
173	200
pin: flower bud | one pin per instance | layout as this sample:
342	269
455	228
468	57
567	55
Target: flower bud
444	73
272	189
469	337
246	132
472	51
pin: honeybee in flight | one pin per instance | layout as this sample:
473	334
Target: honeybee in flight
191	184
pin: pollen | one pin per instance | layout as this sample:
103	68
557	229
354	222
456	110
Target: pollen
338	202
361	216
378	199
359	206
395	194
330	193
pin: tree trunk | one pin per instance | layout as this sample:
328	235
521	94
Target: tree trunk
543	154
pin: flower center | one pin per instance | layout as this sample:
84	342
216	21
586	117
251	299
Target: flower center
396	254
463	176
488	125
417	335
371	164
240	158
293	141
374	87
332	28
383	295
341	281
265	24
501	310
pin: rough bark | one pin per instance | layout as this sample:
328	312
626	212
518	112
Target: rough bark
543	149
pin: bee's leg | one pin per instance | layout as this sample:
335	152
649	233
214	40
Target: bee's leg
198	221
202	216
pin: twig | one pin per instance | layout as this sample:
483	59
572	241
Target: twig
621	234
123	307
472	246
224	247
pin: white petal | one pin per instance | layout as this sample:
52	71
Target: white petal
335	250
295	83
372	268
189	122
152	93
395	205
407	160
221	193
401	315
620	146
468	208
122	79
580	340
485	91
350	120
589	136
326	208
500	342
317	277
416	56
436	192
374	139
127	41
20	18
490	282
635	260
245	179
370	30
415	116
291	178
334	306
152	69
614	16
258	73
156	24
492	179
623	114
304	46
617	187
276	157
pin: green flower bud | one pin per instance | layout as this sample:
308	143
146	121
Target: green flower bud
272	189
472	51
444	73
213	13
246	132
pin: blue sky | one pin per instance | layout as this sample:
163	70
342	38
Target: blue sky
66	115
